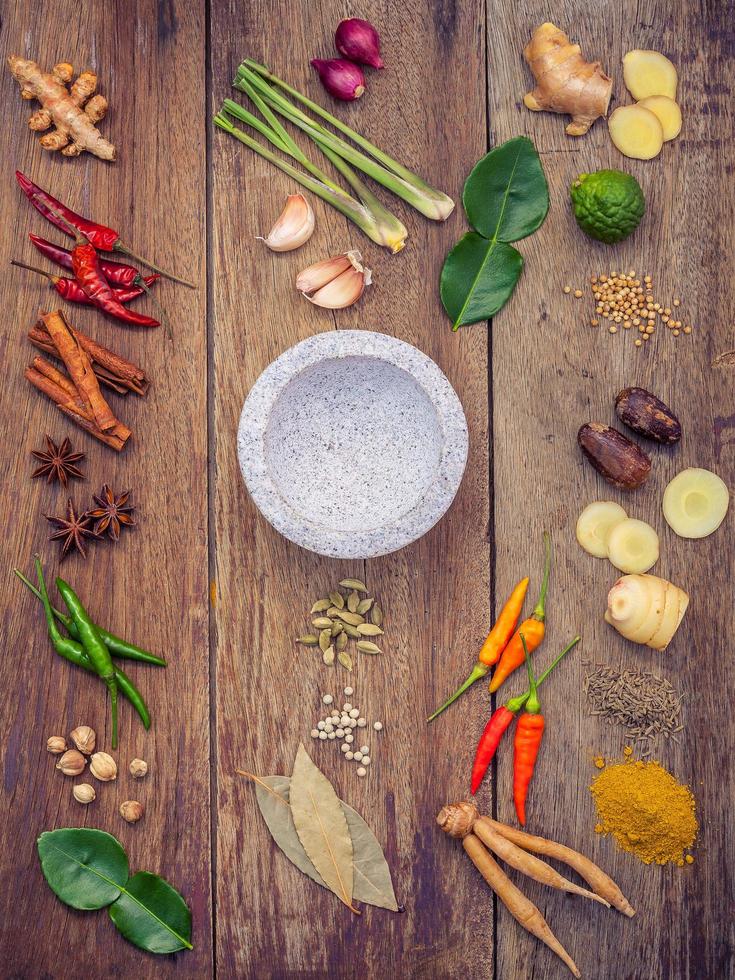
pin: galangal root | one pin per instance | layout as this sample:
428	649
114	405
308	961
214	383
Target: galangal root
565	82
73	111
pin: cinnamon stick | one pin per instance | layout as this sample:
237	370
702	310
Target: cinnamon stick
52	383
111	369
79	366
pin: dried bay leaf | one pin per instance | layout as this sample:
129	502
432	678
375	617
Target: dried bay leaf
372	880
321	826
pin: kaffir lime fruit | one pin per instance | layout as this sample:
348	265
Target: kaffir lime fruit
608	204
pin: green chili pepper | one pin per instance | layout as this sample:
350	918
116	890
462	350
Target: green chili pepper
74	652
99	655
116	646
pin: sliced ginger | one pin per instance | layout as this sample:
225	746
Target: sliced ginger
633	546
695	503
565	82
649	73
667	112
595	524
636	132
74	111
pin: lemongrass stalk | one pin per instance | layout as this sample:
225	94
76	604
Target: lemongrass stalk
414	196
286	146
387	234
444	203
282	141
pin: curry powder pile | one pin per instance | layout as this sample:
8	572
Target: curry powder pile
646	810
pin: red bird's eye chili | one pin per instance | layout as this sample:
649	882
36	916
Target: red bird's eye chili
116	273
86	266
103	238
526	745
500	722
71	291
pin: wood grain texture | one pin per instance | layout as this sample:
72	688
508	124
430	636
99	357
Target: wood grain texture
152	585
184	193
268	690
565	372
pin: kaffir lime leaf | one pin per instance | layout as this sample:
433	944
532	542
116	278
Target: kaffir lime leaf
608	204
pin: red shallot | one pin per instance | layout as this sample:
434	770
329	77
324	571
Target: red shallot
340	78
358	40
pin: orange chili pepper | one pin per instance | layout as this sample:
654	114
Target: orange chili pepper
533	629
495	642
527	742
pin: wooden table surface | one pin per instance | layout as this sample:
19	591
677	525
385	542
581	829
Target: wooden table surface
236	692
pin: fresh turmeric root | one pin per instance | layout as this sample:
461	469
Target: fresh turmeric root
565	82
74	111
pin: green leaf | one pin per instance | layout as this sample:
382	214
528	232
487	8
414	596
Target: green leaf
506	196
372	880
152	915
477	278
87	869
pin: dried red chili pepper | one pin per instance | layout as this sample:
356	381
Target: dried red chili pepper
116	273
70	289
86	266
103	238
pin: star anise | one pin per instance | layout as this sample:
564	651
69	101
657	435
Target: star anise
58	462
72	531
112	513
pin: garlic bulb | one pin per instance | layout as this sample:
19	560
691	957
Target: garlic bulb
84	793
103	767
293	227
71	763
335	283
131	811
84	738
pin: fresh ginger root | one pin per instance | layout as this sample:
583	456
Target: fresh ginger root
667	112
649	73
74	112
636	132
565	82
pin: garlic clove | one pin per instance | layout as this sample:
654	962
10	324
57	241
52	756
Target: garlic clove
294	226
321	273
341	292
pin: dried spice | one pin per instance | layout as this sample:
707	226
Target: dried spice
371	875
71	531
112	513
646	810
645	704
342	616
57	462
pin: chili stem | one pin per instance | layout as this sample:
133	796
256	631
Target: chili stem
539	612
478	671
126	250
33	268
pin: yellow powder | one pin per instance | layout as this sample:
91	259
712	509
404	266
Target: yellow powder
646	810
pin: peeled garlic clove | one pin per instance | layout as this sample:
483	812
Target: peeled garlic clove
293	227
343	291
321	273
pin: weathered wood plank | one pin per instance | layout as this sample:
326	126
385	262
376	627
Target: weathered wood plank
563	372
152	585
434	594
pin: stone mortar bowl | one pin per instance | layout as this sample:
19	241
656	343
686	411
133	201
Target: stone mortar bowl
352	443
